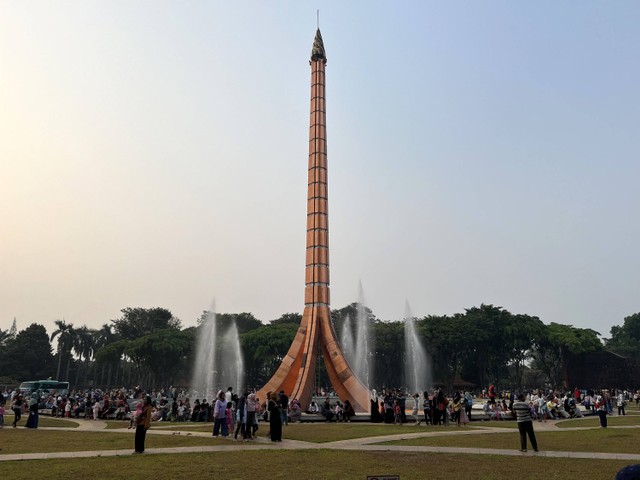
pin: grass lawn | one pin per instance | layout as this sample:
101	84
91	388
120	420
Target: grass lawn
42	422
499	424
319	432
612	421
23	440
315	465
597	440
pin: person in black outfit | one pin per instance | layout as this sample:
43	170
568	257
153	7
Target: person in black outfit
402	403
17	409
275	423
284	407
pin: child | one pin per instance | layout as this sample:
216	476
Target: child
339	412
396	412
1	416
96	410
229	414
135	416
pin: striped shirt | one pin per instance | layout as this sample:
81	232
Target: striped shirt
523	413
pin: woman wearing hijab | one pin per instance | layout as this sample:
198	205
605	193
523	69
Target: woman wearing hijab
32	421
275	423
143	422
375	411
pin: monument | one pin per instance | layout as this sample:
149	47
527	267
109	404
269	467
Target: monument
316	332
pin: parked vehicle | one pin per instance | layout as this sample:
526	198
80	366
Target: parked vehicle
44	386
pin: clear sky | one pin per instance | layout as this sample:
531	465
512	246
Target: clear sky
154	153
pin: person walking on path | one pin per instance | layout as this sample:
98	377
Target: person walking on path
143	422
16	406
32	421
525	424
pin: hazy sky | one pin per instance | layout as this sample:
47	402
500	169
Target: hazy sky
154	153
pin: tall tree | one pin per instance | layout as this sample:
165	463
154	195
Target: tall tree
28	356
264	348
558	344
449	343
84	347
138	322
66	337
625	339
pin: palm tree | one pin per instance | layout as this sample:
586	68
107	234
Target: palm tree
83	347
65	334
101	338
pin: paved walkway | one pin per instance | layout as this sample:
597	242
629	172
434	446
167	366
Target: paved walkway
360	444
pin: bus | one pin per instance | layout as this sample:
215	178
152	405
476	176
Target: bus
44	386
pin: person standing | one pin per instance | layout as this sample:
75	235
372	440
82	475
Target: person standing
414	410
456	407
143	422
284	408
250	429
275	422
375	409
427	401
16	406
402	403
468	404
32	421
241	418
525	424
601	409
621	403
219	414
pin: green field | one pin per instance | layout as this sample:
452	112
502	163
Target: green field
317	462
597	440
612	421
25	440
318	432
314	465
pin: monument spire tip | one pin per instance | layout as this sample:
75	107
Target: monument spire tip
317	51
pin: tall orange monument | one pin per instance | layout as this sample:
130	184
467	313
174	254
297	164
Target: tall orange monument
296	372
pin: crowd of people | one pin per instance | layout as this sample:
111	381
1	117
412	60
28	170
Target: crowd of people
229	410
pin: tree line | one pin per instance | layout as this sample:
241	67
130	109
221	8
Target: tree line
149	346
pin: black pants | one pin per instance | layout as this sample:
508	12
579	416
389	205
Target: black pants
603	418
18	415
526	428
141	432
242	428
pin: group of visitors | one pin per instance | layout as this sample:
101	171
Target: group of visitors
20	405
438	409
